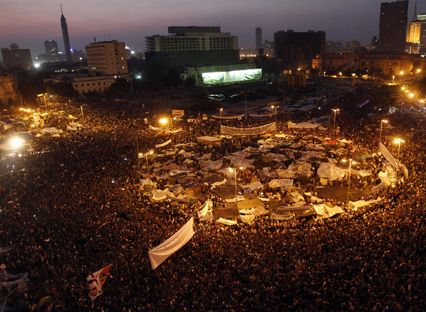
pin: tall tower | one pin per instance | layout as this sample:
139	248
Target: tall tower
258	38
66	37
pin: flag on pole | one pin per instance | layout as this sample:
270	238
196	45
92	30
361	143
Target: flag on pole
159	254
96	281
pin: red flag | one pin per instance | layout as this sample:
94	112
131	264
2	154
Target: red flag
96	281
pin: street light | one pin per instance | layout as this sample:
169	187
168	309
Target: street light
383	121
418	70
351	162
393	79
403	88
274	107
411	95
16	143
335	111
220	111
164	121
401	73
398	142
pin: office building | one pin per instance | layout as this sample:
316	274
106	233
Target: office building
15	57
51	47
65	36
258	38
298	49
422	19
414	33
107	58
191	46
393	26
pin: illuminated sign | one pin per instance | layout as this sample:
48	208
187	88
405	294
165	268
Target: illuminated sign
232	76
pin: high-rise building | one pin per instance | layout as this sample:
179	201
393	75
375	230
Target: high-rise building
258	38
422	19
66	37
51	47
107	58
191	46
393	26
15	57
298	49
7	90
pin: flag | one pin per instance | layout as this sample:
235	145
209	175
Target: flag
206	211
385	152
16	283
159	254
96	281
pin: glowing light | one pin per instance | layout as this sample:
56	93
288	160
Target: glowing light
231	76
16	143
411	95
398	141
401	73
418	70
37	65
385	121
402	88
163	121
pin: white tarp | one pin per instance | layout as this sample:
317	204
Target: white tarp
206	211
388	177
216	184
159	254
385	152
155	128
363	203
331	172
226	221
248	219
284	183
160	195
252	187
325	211
282	217
265	129
210	164
163	144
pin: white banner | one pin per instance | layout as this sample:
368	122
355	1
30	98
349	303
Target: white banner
163	144
385	152
228	117
159	254
265	129
261	115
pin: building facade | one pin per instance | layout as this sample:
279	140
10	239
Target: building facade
422	19
387	64
7	90
15	57
414	33
191	46
393	26
298	49
107	58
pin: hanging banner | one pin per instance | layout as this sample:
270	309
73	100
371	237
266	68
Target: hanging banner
159	254
163	144
261	116
385	152
239	117
265	129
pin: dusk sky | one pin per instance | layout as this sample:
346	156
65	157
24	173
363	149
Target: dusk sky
29	22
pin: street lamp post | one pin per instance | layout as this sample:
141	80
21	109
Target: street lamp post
234	170
245	105
351	162
82	114
398	142
274	107
335	111
381	128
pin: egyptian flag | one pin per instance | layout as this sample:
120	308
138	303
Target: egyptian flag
96	281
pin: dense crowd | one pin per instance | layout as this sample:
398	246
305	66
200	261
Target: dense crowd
74	205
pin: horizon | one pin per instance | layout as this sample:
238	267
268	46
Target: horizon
122	21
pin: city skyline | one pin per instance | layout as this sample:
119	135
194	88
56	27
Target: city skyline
132	21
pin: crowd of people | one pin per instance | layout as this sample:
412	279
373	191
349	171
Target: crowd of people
74	205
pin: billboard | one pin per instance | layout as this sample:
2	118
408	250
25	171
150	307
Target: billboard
232	76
